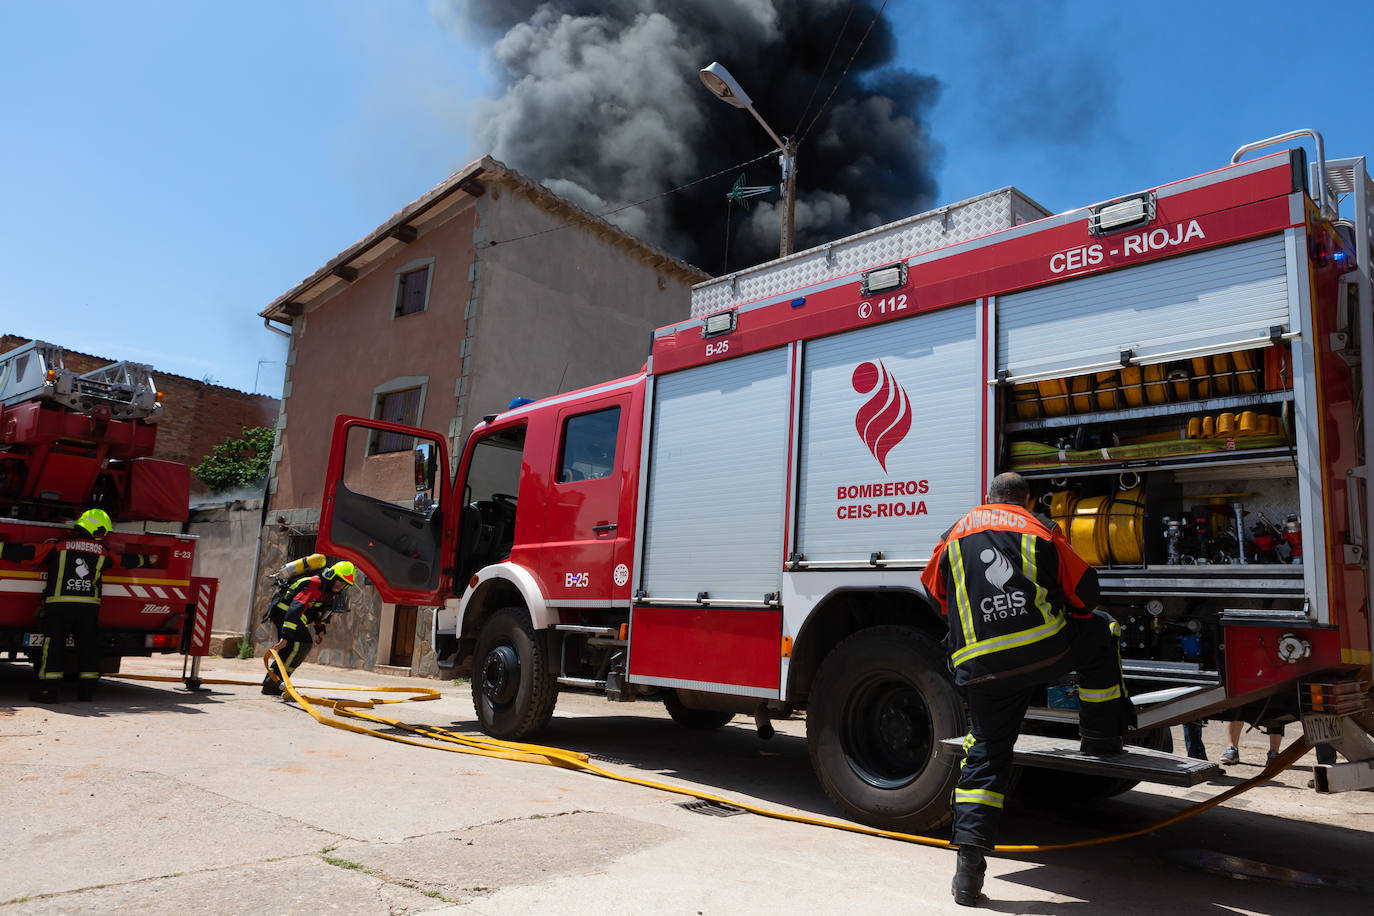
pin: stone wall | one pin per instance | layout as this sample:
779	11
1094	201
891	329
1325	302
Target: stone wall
424	660
352	638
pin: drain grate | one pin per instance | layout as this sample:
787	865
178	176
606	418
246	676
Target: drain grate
618	761
1250	870
715	809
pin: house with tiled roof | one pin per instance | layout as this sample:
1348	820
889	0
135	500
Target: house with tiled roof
488	287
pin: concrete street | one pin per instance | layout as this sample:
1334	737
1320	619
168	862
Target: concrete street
153	800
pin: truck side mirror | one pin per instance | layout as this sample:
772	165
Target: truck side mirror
424	467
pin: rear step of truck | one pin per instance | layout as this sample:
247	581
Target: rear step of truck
1139	763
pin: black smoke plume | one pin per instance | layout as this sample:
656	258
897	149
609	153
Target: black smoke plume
602	103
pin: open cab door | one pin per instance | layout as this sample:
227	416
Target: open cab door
385	508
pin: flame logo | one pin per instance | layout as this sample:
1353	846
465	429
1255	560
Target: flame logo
885	418
998	570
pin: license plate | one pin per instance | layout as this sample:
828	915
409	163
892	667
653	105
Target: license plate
35	641
1321	729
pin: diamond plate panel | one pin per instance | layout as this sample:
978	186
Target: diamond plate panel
897	241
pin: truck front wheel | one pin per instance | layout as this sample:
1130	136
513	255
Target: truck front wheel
514	688
879	706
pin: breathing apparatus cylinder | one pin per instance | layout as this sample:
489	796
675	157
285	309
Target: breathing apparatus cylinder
297	568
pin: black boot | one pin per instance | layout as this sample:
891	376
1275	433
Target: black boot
1100	747
85	691
968	876
270	686
44	695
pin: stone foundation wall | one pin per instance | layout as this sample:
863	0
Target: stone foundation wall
424	661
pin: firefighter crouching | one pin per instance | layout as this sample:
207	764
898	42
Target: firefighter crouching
300	615
1020	607
76	565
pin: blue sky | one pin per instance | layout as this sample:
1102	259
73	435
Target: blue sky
170	168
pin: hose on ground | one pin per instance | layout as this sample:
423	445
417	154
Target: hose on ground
437	738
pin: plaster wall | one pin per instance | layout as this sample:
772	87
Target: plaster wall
559	311
351	343
228	542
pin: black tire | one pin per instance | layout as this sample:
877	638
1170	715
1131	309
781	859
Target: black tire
1038	786
879	706
698	720
514	688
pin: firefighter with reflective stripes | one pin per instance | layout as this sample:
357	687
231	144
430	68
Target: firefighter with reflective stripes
1020	604
300	615
71	599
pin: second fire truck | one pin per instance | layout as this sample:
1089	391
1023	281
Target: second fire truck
71	441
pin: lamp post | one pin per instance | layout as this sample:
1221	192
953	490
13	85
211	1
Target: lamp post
724	87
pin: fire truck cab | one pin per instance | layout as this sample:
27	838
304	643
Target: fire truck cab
740	527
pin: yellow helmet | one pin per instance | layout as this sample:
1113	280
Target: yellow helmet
95	522
341	570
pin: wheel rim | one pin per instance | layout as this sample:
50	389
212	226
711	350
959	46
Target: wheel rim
887	734
501	674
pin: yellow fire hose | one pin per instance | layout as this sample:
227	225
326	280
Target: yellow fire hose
444	740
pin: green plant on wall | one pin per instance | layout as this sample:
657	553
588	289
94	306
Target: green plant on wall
238	463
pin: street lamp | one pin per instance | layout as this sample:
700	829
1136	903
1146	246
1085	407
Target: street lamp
724	87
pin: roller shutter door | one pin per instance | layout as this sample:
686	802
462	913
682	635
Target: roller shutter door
1212	299
718	470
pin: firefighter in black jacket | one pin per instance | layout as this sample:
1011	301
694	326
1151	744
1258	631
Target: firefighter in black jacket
1020	608
300	611
71	599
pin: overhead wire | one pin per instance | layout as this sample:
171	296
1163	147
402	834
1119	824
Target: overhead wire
820	111
844	27
591	216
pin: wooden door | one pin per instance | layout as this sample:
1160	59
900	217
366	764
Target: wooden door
403	635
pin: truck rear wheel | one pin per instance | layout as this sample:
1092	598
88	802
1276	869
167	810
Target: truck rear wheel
701	720
879	706
514	688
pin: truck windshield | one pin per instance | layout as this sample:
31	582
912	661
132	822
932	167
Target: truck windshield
495	466
487	531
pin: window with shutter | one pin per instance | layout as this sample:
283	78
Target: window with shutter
412	291
397	407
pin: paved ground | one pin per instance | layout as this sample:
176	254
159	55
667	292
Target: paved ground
153	800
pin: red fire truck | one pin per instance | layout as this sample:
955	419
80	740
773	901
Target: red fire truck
740	527
72	441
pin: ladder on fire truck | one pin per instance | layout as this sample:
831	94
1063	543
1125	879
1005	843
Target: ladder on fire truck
37	371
